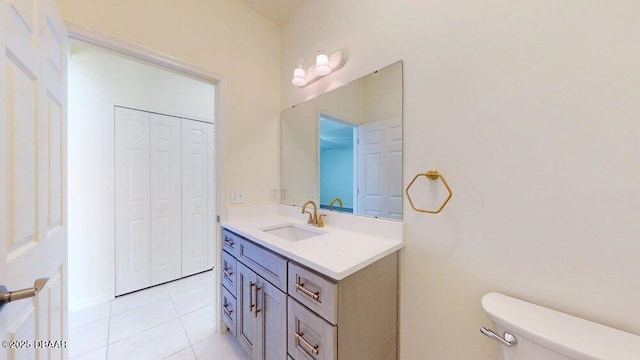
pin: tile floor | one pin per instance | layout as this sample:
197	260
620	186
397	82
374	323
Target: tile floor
171	321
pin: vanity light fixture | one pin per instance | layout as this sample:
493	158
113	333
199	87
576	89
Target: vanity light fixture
299	75
324	65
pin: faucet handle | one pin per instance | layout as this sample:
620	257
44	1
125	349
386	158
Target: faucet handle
320	223
311	220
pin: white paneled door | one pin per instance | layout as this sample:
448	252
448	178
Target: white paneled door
380	169
133	215
166	198
195	201
33	208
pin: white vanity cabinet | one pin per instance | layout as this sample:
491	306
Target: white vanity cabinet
285	310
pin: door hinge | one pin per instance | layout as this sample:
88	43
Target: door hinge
218	219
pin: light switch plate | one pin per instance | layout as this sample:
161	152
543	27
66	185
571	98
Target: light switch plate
237	196
311	192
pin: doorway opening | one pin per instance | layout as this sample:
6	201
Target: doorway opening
338	163
100	80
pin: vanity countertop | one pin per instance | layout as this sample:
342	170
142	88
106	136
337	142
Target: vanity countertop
337	253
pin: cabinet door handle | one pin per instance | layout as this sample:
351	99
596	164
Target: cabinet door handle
255	309
312	348
227	273
228	242
226	310
314	295
251	305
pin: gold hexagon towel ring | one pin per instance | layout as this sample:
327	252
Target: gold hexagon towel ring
433	175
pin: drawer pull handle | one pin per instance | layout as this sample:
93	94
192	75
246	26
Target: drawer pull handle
314	295
228	242
251	305
226	310
255	295
227	273
314	349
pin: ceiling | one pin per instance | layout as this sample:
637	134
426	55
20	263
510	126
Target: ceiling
275	10
335	134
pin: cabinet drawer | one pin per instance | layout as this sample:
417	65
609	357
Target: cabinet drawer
265	263
229	310
314	291
309	336
228	269
230	242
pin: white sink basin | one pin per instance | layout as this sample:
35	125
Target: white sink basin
293	232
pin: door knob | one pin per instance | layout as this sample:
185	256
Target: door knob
7	296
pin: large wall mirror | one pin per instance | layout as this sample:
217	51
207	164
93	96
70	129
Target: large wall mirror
347	144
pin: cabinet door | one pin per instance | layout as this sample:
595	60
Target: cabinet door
246	319
195	248
261	316
132	227
272	307
166	197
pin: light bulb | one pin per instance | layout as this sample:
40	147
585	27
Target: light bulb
299	75
322	64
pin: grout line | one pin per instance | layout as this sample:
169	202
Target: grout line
185	331
106	353
198	309
180	319
153	301
178	316
91	350
202	278
145	330
127	315
73	313
179	351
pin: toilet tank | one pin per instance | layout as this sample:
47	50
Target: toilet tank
547	334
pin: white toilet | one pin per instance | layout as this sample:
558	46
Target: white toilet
538	333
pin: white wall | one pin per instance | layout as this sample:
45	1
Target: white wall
382	94
225	37
530	109
98	79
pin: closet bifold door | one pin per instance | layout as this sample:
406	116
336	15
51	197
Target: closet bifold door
132	200
195	200
211	186
166	198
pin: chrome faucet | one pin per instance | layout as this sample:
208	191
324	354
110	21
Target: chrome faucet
315	219
339	203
